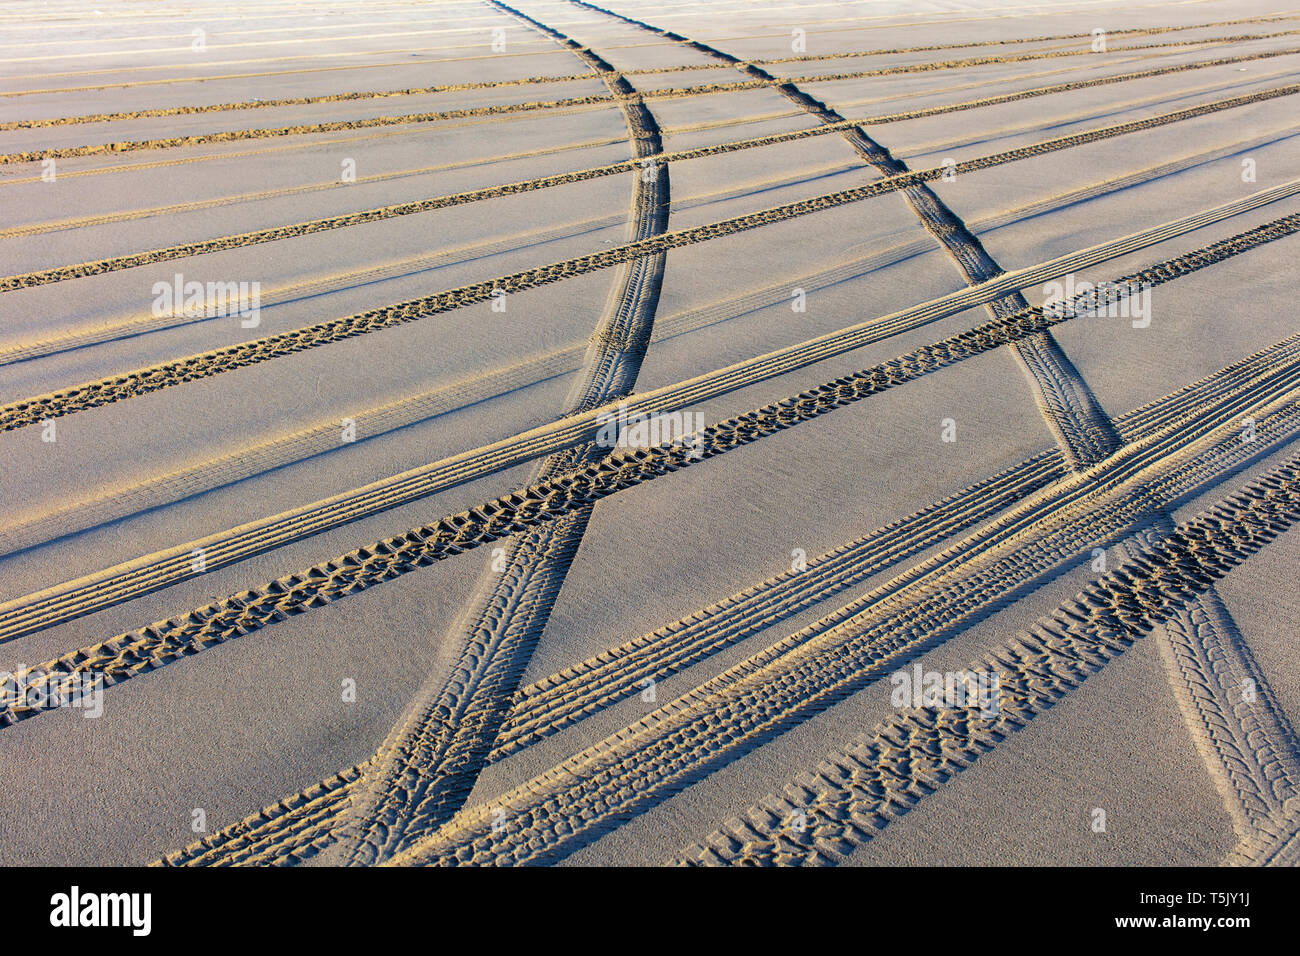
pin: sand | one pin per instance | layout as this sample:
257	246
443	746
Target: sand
686	655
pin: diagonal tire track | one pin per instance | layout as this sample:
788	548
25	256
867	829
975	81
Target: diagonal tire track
281	834
132	579
148	648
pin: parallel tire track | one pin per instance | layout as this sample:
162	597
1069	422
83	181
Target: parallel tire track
123	327
857	792
204	365
542	80
132	579
148	648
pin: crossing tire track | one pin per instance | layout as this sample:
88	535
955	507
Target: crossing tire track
560	696
577	801
204	365
857	792
73	599
1249	751
151	647
560	700
25	531
429	762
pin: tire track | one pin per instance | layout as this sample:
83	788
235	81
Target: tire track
276	451
126	581
151	647
226	136
1249	747
297	146
574	803
1205	654
286	834
1275	842
563	699
425	768
168	253
560	696
857	792
33	410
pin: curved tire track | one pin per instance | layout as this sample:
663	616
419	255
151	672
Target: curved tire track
426	767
